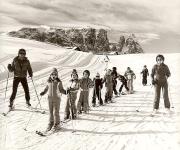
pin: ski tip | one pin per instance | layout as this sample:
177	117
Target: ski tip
151	115
4	114
43	112
40	133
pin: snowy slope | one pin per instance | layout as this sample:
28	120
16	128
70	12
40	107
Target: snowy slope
116	126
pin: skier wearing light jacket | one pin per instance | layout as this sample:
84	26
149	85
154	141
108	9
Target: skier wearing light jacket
130	76
73	88
53	87
108	80
160	73
20	66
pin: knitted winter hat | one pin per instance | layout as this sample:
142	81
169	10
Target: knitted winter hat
54	71
74	71
114	68
97	74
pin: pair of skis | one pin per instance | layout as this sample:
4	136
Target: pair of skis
30	107
48	133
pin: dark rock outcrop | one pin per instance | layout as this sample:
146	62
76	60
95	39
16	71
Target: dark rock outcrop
86	39
102	41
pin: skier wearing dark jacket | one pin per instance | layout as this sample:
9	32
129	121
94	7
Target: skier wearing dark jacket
98	84
114	75
160	73
124	83
144	73
20	66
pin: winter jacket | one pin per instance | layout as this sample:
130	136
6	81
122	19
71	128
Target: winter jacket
21	67
85	84
129	75
98	83
52	88
108	80
73	86
122	78
114	74
145	72
160	72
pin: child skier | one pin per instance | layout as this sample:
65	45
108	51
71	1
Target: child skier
72	95
160	73
114	75
85	83
54	84
124	83
98	84
144	73
130	76
108	80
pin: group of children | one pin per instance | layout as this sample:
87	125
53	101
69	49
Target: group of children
54	85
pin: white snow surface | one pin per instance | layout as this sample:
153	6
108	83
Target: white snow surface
115	126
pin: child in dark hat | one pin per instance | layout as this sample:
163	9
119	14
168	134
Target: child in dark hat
98	84
144	73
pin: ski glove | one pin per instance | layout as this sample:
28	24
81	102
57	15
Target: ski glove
42	93
9	67
68	91
154	82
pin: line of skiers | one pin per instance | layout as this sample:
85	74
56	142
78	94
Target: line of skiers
21	65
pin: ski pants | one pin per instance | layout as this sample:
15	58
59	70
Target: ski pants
124	84
109	93
144	80
71	105
97	92
54	106
24	83
130	85
83	101
164	87
114	87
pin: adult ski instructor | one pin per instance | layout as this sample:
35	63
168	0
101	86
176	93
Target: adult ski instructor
20	66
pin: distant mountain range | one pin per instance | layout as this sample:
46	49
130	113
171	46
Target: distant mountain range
84	39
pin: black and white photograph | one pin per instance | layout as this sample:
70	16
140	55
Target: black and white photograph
89	75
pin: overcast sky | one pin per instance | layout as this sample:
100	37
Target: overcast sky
156	23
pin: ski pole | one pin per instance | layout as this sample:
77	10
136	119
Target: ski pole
36	92
30	117
6	86
170	97
138	108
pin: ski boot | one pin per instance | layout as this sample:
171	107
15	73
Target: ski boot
50	125
28	104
